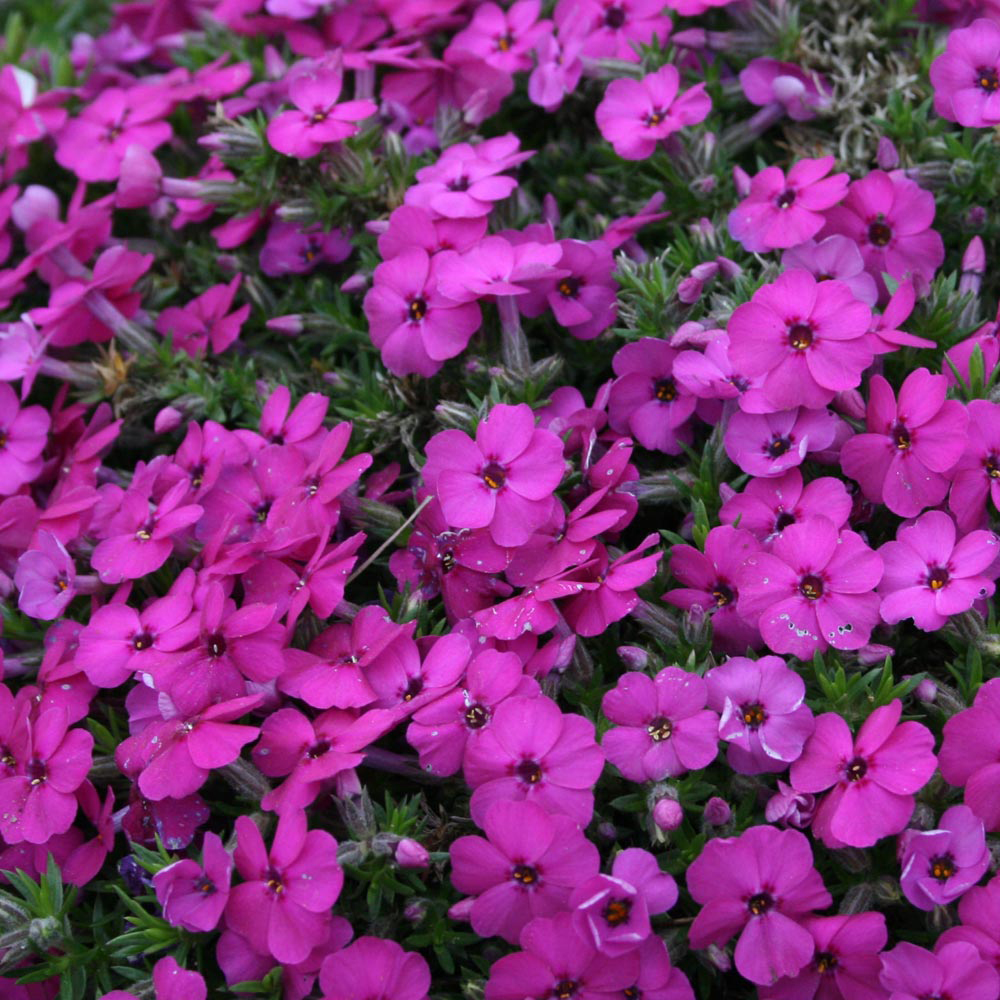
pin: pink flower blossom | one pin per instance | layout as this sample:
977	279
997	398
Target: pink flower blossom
965	76
929	576
979	911
759	885
528	867
504	38
770	444
836	257
873	778
910	445
558	69
976	475
636	114
503	480
290	249
194	895
663	728
45	578
813	590
953	969
374	968
800	94
785	211
204	320
613	28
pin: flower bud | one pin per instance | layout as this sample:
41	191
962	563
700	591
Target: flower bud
887	156
139	180
742	181
717	811
290	325
462	910
167	420
668	814
857	899
634	657
415	911
411	854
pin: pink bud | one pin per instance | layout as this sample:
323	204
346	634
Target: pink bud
690	289
690	38
742	181
550	210
462	910
356	282
887	155
873	654
290	325
36	203
973	266
728	268
139	181
633	657
850	403
668	814
717	811
410	854
168	419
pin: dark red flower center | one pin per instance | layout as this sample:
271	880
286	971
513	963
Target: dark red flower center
986	79
529	772
811	586
216	644
825	961
632	993
414	688
779	445
655	117
660	729
447	560
319	748
800	336
785	198
494	475
564	989
993	467
665	390
417	310
943	868
504	42
476	716
754	715
205	886
274	882
617	911
141	641
879	234
783	520
569	287
459	184
723	595
900	436
614	17
524	874
937	578
36	771
317	117
759	905
857	769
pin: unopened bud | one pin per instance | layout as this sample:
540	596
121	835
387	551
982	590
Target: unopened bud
462	910
358	815
717	811
411	854
887	156
290	325
634	657
168	419
668	814
857	899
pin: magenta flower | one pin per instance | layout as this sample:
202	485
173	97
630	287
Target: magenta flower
283	905
170	982
976	475
836	257
636	114
782	211
763	715
45	578
769	444
504	38
414	325
873	778
375	969
24	434
789	807
940	865
558	960
93	144
528	867
558	68
290	249
845	964
813	590
799	94
496	266
910	444
534	751
204	320
51	762
808	339
762	884
663	727
194	895
613	28
503	480
970	753
613	910
929	577
767	506
318	120
645	401
889	217
966	76
954	970
710	579
979	911
441	730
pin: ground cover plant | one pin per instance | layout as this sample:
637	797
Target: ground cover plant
497	499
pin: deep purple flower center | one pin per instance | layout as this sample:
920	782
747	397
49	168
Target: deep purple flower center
504	42
414	688
937	578
901	436
987	79
61	583
800	336
569	287
205	886
632	993
317	117
660	729
216	644
665	390
476	716
141	641
759	905
811	586
856	769
417	310
37	772
785	198
614	17
197	476
6	757
529	772
564	989
447	560
143	535
723	595
754	715
779	445
261	511
617	911
459	184
274	882
879	234
319	748
524	874
943	868
655	117
783	520
993	467
494	475
825	961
